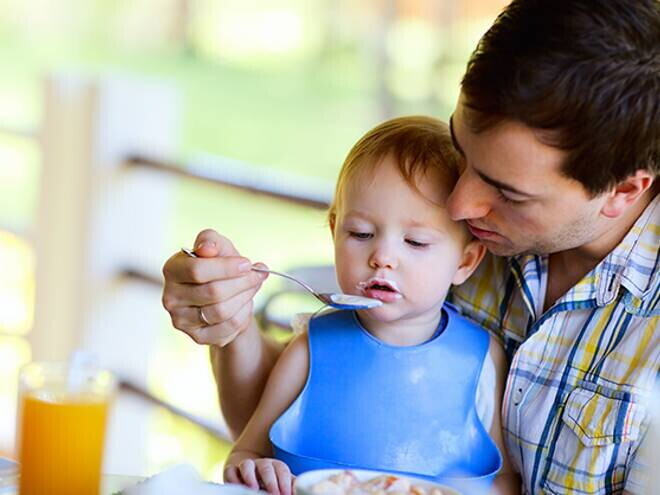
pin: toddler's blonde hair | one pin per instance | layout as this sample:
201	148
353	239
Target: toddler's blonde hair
418	144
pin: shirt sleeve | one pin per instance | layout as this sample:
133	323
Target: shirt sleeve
638	478
643	472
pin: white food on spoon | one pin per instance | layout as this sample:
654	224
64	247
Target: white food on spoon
351	300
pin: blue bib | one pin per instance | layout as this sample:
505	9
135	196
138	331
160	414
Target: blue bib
409	410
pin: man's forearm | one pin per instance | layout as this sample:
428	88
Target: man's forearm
241	370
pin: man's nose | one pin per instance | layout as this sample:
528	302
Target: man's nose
470	198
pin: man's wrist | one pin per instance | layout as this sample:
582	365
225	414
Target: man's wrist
236	340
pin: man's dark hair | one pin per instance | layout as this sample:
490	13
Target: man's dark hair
587	71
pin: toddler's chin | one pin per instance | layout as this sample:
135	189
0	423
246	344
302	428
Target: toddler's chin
384	314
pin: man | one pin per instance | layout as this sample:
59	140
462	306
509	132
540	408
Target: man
559	123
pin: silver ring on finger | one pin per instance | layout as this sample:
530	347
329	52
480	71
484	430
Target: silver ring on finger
203	319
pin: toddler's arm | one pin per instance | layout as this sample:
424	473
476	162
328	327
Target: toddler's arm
249	462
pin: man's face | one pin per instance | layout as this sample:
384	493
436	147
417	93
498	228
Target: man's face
513	195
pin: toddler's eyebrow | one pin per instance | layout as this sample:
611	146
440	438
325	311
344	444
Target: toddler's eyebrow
358	214
421	225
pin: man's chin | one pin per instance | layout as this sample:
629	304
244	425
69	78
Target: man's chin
502	249
498	248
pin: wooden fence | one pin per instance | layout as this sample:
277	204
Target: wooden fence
109	164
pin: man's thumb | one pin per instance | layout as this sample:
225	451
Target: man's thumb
210	244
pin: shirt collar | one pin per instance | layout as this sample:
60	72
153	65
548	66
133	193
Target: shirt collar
633	264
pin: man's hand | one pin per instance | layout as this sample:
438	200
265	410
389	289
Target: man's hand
218	286
269	474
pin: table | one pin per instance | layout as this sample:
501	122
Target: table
114	483
109	484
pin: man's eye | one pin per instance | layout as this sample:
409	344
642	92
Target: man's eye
416	244
506	199
360	235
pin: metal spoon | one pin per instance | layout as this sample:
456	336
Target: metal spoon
335	300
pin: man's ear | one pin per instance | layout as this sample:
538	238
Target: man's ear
473	253
625	193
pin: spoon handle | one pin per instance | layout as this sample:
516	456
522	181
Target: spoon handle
285	275
189	252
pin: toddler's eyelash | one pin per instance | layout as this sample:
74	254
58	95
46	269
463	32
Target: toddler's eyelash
417	244
368	235
360	235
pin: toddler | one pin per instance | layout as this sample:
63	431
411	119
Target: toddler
409	387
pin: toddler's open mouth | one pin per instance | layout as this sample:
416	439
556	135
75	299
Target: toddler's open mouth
380	288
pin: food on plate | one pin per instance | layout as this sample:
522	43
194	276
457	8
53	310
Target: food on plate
346	483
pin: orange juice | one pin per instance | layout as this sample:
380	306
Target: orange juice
61	445
61	429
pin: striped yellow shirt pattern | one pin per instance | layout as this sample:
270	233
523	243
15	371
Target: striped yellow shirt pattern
575	406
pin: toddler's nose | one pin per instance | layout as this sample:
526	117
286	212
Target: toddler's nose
382	258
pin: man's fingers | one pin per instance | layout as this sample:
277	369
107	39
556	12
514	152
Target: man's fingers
226	310
186	270
222	321
210	244
182	269
188	316
245	317
212	292
225	332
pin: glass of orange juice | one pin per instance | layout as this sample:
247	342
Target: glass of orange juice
61	427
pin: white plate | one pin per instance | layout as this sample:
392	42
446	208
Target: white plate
232	489
183	479
305	481
8	475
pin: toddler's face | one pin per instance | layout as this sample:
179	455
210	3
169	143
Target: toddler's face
397	245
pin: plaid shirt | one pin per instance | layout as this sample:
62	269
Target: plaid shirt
575	406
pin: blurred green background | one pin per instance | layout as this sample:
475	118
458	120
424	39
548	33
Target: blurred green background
285	84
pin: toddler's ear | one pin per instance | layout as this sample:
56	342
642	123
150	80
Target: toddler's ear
332	218
473	253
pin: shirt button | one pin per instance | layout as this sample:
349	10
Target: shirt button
517	396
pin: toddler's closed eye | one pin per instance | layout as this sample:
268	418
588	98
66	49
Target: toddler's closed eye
361	235
417	244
